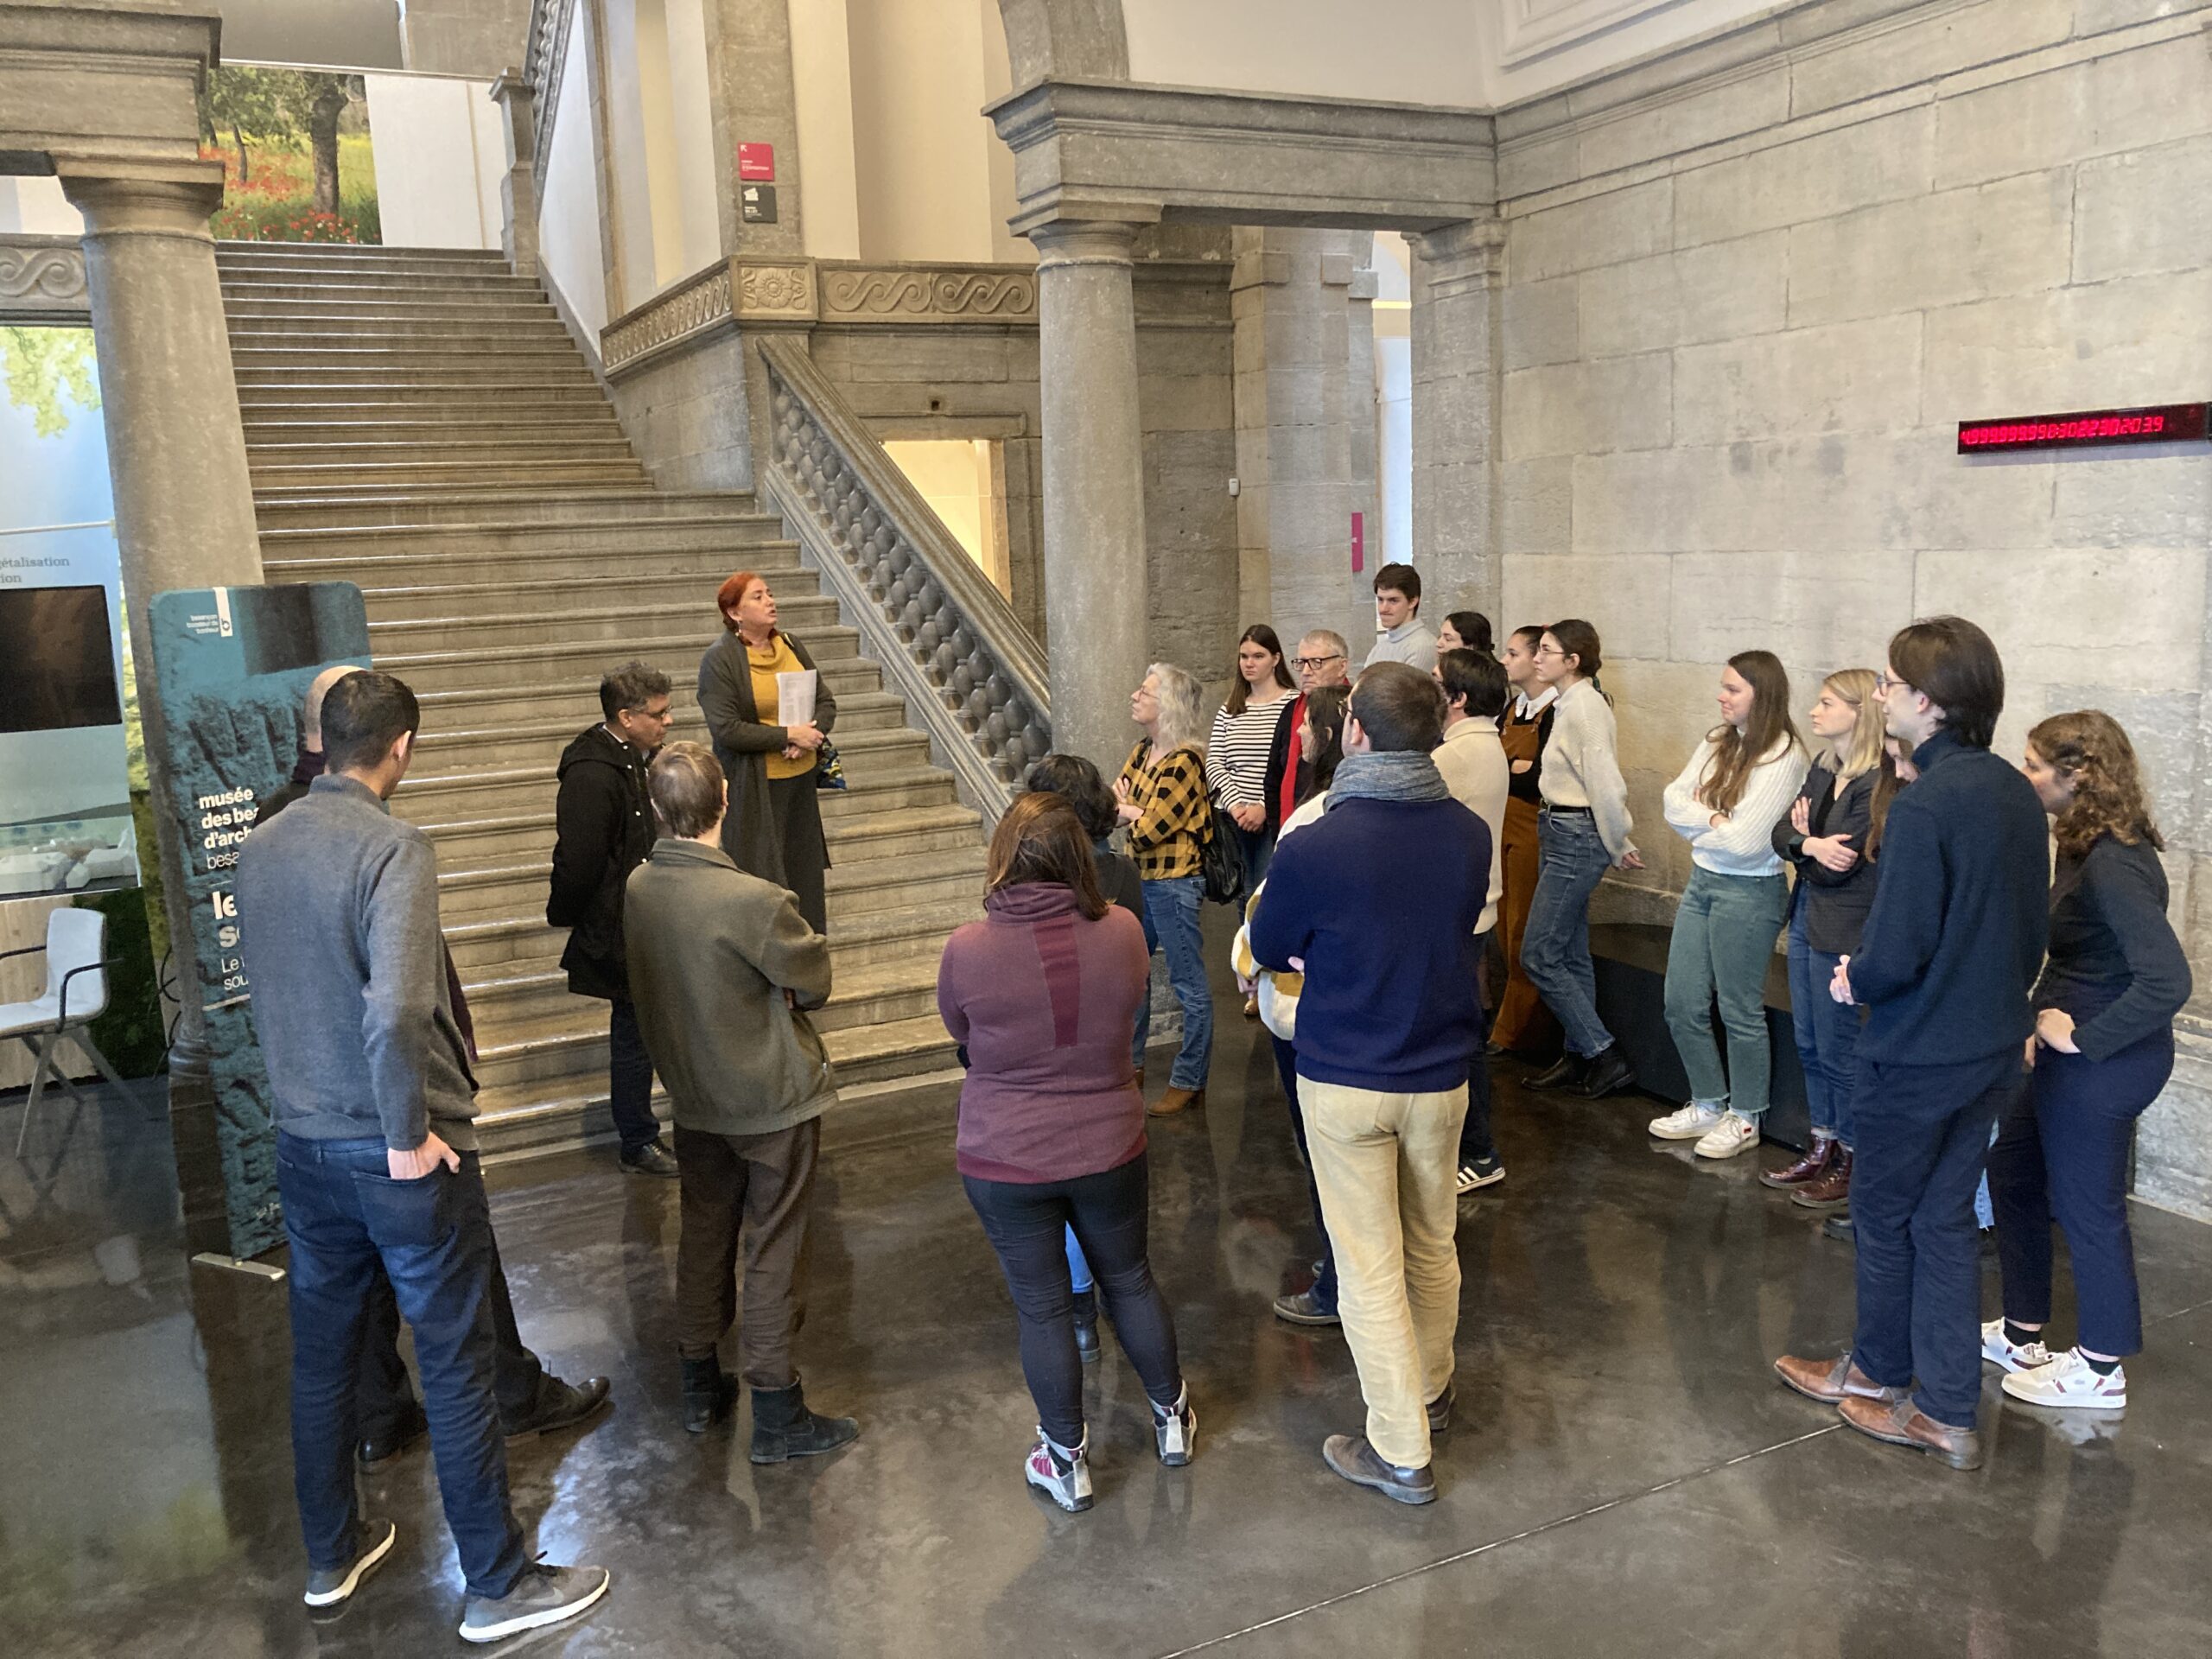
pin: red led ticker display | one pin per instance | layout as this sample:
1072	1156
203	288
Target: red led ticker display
2169	424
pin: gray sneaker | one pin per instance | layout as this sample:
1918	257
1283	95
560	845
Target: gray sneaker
328	1585
544	1595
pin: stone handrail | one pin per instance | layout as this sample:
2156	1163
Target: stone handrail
946	638
545	51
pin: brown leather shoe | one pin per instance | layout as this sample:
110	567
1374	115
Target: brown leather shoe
1899	1422
1812	1166
1830	1191
1832	1382
1176	1100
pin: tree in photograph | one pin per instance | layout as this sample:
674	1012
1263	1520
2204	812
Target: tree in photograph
326	98
281	106
44	366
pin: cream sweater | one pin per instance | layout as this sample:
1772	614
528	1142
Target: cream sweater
1582	766
1743	843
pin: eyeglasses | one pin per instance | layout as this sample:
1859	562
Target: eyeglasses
1317	662
1883	684
1549	649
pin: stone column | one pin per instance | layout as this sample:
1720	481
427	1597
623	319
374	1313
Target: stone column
1457	275
1095	572
517	103
183	502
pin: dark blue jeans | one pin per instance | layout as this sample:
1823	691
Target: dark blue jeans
1259	848
1170	923
1028	1225
1325	1282
1923	1137
1571	859
1475	1143
630	1077
2062	1154
1827	1032
343	1214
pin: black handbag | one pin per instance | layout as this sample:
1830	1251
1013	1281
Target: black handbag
1221	860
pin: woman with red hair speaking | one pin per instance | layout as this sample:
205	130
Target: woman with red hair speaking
773	829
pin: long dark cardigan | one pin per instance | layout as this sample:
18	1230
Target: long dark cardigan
743	745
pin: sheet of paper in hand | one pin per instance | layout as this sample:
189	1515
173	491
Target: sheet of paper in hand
795	698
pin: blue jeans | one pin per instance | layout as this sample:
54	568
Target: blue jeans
1078	1269
1722	942
1258	847
1826	1031
1475	1144
1555	950
1170	923
1923	1137
630	1077
343	1214
2062	1154
1325	1282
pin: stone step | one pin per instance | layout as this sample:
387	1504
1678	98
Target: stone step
687	594
486	791
603	628
491	667
481	446
520	332
331	255
879	738
276	385
876	835
712	560
946	873
277	476
572	704
296	282
388	424
522	532
461	504
310	361
263	306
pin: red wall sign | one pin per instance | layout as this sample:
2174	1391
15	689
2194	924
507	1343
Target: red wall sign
2165	423
757	162
1358	542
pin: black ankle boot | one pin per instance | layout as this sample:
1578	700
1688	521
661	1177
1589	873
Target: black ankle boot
1609	1070
1566	1072
783	1427
1086	1325
709	1394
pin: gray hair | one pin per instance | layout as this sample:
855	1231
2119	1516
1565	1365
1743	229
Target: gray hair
1182	709
1328	637
631	687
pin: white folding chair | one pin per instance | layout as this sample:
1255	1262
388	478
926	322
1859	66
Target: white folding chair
76	995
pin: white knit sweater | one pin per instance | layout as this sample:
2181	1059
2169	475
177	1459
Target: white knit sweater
1741	843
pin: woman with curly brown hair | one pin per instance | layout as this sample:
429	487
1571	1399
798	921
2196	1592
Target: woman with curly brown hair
2103	1049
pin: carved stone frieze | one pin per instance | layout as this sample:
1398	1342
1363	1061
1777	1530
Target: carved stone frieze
692	307
929	293
781	291
41	276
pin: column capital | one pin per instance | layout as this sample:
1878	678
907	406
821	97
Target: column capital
139	198
511	89
1070	231
1472	249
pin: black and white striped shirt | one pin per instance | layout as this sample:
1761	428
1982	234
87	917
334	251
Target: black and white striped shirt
1237	754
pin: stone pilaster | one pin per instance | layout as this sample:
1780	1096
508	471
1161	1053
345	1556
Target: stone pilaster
1458	273
519	185
1094	567
183	502
752	98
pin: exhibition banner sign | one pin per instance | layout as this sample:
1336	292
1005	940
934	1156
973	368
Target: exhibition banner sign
234	665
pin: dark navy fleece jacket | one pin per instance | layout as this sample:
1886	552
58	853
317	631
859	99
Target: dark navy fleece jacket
1955	938
1381	900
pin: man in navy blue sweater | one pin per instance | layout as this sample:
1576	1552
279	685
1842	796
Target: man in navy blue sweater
1379	902
1944	970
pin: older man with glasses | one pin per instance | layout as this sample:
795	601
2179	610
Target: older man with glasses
1323	658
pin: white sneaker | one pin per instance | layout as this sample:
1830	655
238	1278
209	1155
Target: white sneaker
1061	1474
1731	1135
2067	1381
1693	1122
2011	1356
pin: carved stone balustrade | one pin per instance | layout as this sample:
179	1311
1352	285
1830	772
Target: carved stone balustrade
944	634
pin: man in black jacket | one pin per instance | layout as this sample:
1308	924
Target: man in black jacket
1945	969
604	828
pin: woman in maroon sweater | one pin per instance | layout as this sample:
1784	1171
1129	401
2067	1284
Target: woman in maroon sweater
1043	995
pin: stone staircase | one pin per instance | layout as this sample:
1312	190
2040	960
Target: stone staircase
419	422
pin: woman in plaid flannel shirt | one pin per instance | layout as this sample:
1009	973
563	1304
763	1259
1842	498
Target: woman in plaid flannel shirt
1162	796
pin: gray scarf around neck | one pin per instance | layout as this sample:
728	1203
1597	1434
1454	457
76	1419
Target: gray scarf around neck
1401	775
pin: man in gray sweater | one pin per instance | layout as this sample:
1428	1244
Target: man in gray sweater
375	1161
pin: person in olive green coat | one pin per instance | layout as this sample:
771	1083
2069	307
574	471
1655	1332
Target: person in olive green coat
723	969
774	826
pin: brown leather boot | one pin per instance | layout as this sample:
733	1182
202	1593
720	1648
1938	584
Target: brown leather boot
1832	1382
1899	1422
1176	1100
1831	1191
1812	1166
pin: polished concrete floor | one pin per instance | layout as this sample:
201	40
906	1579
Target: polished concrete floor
1625	1479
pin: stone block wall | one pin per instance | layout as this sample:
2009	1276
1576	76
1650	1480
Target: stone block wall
685	413
1742	313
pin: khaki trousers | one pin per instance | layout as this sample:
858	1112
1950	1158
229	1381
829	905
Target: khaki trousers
1384	1164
